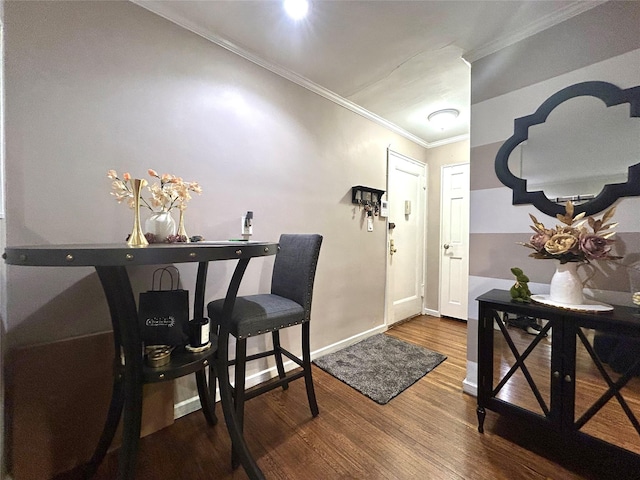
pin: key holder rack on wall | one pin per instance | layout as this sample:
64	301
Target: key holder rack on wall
370	199
366	196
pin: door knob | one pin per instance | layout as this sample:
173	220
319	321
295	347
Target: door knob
446	246
392	247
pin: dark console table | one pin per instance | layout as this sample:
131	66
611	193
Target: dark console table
111	262
561	375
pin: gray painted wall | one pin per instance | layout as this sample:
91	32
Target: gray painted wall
93	86
99	85
600	44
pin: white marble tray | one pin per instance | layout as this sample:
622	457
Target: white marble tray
589	306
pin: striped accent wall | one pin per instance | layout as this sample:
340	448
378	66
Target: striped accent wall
496	226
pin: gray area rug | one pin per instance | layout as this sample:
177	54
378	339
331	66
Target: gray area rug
381	366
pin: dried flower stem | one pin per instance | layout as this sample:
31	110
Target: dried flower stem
169	193
572	241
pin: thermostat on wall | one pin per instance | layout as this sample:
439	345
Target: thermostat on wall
384	208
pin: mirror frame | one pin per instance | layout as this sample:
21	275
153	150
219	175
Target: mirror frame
611	95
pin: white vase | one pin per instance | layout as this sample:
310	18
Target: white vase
160	224
566	286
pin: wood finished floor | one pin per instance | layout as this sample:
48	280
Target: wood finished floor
427	432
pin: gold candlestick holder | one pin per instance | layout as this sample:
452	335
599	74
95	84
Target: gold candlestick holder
181	230
137	238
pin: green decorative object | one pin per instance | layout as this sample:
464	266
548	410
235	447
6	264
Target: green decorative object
520	291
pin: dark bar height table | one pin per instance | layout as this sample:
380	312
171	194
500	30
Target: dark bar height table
111	262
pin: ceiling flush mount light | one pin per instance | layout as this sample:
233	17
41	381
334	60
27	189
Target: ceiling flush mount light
296	9
443	118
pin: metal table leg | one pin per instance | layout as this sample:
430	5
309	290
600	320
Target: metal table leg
124	317
110	427
206	393
233	426
127	393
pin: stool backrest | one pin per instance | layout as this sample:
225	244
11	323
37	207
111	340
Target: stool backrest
294	269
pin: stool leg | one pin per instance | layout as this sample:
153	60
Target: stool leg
306	362
278	354
241	367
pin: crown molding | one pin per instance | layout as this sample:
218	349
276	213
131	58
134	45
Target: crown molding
287	74
447	141
548	21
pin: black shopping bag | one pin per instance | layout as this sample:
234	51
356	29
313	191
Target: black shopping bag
164	314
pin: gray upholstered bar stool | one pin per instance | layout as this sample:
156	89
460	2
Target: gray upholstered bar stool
288	304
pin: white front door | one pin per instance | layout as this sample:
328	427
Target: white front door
406	194
454	239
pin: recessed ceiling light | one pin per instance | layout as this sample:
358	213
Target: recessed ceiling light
296	9
443	118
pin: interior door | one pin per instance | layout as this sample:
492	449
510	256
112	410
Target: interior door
406	194
454	238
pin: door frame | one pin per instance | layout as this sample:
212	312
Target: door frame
388	303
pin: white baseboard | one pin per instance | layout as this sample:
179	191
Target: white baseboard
429	311
188	406
192	404
470	384
348	341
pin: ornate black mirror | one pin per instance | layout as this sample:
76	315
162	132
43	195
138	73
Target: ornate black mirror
582	144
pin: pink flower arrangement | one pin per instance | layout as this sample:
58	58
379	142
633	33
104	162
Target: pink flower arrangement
167	193
573	241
